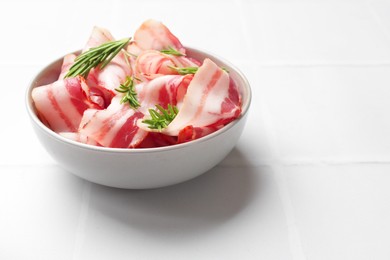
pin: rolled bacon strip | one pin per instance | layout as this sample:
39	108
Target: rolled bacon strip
152	64
61	104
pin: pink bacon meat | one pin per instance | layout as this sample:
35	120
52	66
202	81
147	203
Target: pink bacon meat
89	110
66	64
164	90
189	133
103	82
62	103
113	127
152	64
153	35
212	100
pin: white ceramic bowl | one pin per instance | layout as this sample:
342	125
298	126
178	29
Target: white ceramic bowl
141	168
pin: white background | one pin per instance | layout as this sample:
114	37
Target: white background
309	178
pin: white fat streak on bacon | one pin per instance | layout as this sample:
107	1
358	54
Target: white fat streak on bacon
79	138
202	104
61	104
152	64
112	75
183	61
153	35
163	90
104	125
87	116
66	64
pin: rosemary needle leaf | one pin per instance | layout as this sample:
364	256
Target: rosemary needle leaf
185	70
162	118
190	70
96	56
225	69
172	51
130	94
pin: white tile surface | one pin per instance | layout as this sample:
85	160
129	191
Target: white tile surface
40	208
235	212
21	144
329	32
342	211
328	113
380	10
307	180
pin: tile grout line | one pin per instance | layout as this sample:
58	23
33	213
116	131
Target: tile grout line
322	64
308	163
316	64
82	220
294	237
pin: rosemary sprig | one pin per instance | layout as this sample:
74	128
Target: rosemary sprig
190	70
172	51
185	70
130	95
96	56
161	118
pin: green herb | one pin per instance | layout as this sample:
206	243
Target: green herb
130	95
225	69
129	54
172	51
161	118
185	70
189	70
97	56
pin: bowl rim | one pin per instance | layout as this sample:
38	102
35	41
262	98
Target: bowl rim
245	107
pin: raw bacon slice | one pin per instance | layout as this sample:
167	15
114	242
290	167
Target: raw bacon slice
189	133
62	104
103	82
154	139
115	126
87	116
66	64
152	64
79	138
164	90
212	99
98	36
184	61
153	35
